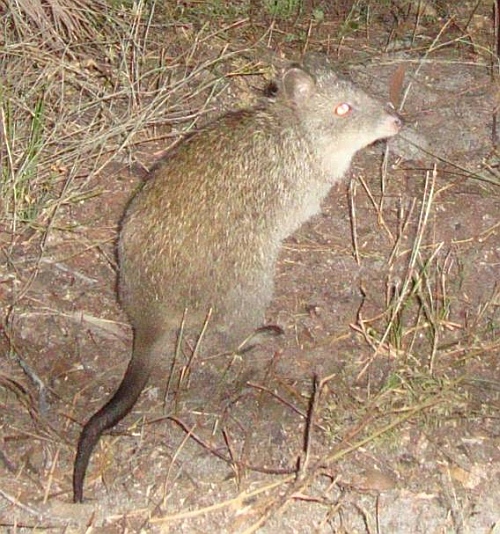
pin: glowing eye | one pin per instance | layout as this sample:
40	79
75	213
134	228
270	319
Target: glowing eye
343	109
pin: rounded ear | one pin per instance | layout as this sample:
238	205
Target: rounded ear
298	85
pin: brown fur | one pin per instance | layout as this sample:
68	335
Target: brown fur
205	230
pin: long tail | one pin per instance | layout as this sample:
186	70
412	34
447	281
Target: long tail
134	381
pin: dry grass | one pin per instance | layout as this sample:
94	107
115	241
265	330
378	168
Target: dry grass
83	89
57	23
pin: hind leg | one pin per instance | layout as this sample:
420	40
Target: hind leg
245	306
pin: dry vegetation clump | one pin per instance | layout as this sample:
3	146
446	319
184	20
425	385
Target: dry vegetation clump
57	23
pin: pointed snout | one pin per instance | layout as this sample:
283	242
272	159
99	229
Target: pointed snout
392	123
395	119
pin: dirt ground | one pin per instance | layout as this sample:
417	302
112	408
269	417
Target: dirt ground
378	408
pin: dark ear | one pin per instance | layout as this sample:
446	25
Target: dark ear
298	85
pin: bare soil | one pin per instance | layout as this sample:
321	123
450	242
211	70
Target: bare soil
378	408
